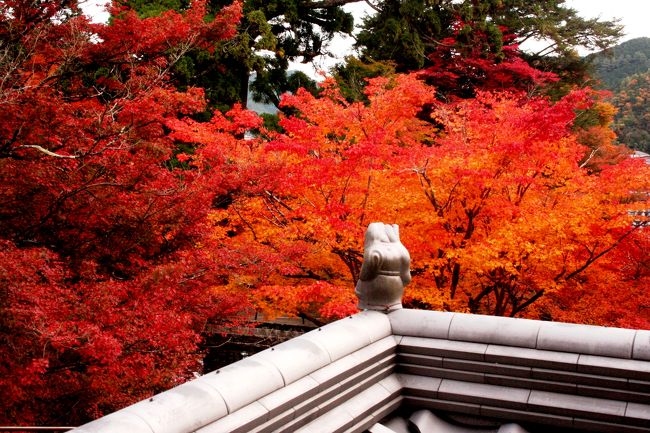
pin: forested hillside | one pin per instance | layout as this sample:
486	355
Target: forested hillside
616	64
632	123
625	71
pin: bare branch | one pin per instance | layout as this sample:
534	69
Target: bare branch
369	3
47	152
591	155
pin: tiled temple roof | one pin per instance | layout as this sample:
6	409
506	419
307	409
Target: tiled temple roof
351	374
376	366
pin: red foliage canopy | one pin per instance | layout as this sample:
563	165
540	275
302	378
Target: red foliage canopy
104	258
469	62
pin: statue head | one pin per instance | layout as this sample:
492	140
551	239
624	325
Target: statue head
380	232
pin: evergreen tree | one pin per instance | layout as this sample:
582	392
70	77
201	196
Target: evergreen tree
403	34
417	34
270	35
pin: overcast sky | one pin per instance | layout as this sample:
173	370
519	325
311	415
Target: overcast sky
634	14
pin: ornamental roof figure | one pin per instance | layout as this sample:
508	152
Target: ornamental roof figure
385	269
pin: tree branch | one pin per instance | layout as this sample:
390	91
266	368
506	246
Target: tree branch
593	258
328	3
47	152
538	294
369	3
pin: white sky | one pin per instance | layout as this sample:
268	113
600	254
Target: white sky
634	14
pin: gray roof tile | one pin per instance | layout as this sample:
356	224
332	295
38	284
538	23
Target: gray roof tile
243	421
335	421
276	422
578	378
575	405
296	358
414	358
371	417
419	386
299	421
344	336
627	368
640	412
185	407
585	339
496	330
641	345
605	427
483	394
420	323
392	384
532	357
487	367
243	382
527	416
615	394
285	398
117	422
444	373
337	379
542	385
369	399
352	409
442	405
440	347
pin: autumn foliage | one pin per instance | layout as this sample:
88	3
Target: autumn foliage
497	205
104	261
131	217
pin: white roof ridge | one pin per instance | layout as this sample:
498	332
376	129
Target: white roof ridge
323	371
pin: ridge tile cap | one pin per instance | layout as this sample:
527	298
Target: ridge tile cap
641	345
116	422
295	358
188	406
244	381
345	336
586	339
421	323
506	331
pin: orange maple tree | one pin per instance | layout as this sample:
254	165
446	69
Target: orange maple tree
515	213
497	204
319	183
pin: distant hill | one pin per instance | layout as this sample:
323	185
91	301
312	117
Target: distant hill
625	71
612	66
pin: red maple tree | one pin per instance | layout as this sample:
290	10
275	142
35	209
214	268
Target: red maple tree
104	258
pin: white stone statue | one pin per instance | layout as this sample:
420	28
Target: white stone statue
385	269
